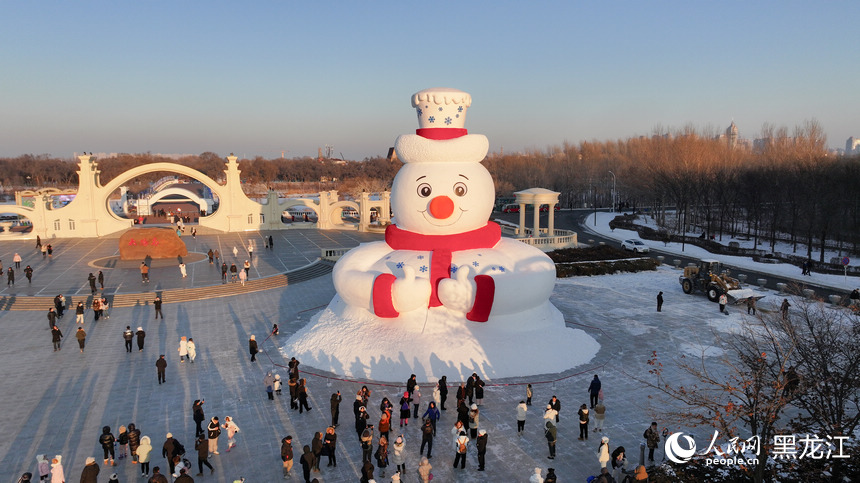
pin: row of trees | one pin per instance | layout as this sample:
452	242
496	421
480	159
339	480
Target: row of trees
787	187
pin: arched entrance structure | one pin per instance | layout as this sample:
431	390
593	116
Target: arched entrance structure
177	191
89	214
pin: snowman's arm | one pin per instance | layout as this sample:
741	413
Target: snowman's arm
353	277
529	284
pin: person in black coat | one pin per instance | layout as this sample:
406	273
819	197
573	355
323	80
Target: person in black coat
92	279
101	279
335	407
199	417
307	462
330	445
252	348
660	302
56	337
481	443
59	305
287	455
443	392
470	387
367	472
133	441
593	391
107	441
170	449
141	336
410	384
161	367
52	318
555	403
157	305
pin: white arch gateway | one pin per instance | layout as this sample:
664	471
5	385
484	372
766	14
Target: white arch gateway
89	214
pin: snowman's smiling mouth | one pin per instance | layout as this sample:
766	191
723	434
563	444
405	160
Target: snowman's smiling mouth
446	222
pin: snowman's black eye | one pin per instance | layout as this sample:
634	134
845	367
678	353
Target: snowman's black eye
424	190
460	189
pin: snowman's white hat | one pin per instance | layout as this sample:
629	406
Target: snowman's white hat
441	136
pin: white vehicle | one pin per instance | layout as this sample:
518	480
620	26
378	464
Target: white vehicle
635	246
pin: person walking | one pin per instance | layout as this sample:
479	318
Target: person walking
192	350
416	401
57	474
583	422
157	305
603	452
10	276
271	243
251	250
211	256
202	447
101	279
161	367
247	268
529	394
269	385
135	445
522	409
52	318
17	259
128	335
427	437
551	435
234	277
243	276
182	270
723	302
232	429
28	272
252	348
652	440
287	455
183	348
141	337
433	414
593	391
198	416
79	313
56	337
217	256
82	338
660	302
92	280
424	468
144	272
224	272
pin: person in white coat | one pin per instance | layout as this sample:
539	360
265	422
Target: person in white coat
183	348
143	452
232	429
57	474
191	347
603	452
182	270
399	457
44	467
536	476
522	409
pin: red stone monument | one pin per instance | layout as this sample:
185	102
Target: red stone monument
138	243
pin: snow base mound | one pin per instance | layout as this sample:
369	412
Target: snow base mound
352	342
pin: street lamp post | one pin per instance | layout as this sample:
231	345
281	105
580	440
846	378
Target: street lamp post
613	191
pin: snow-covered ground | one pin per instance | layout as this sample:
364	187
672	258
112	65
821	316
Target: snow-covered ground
837	282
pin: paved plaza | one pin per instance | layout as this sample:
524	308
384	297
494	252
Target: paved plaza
57	402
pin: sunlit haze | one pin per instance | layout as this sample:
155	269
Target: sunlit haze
262	78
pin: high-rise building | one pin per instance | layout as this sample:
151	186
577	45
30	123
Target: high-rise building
852	146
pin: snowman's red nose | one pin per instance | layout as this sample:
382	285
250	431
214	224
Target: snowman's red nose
441	207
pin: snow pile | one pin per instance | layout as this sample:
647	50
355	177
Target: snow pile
352	342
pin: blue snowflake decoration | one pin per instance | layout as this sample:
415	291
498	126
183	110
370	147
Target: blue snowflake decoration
460	109
475	264
421	257
453	269
457	116
502	269
423	268
388	257
448	120
399	265
493	268
431	119
420	112
440	109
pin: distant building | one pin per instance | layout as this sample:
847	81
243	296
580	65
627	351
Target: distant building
852	146
732	135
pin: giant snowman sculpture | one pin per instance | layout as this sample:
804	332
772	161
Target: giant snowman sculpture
444	294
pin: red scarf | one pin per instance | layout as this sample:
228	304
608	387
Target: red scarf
441	248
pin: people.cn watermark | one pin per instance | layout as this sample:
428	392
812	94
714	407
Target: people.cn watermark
681	448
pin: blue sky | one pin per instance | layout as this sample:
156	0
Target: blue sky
256	78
